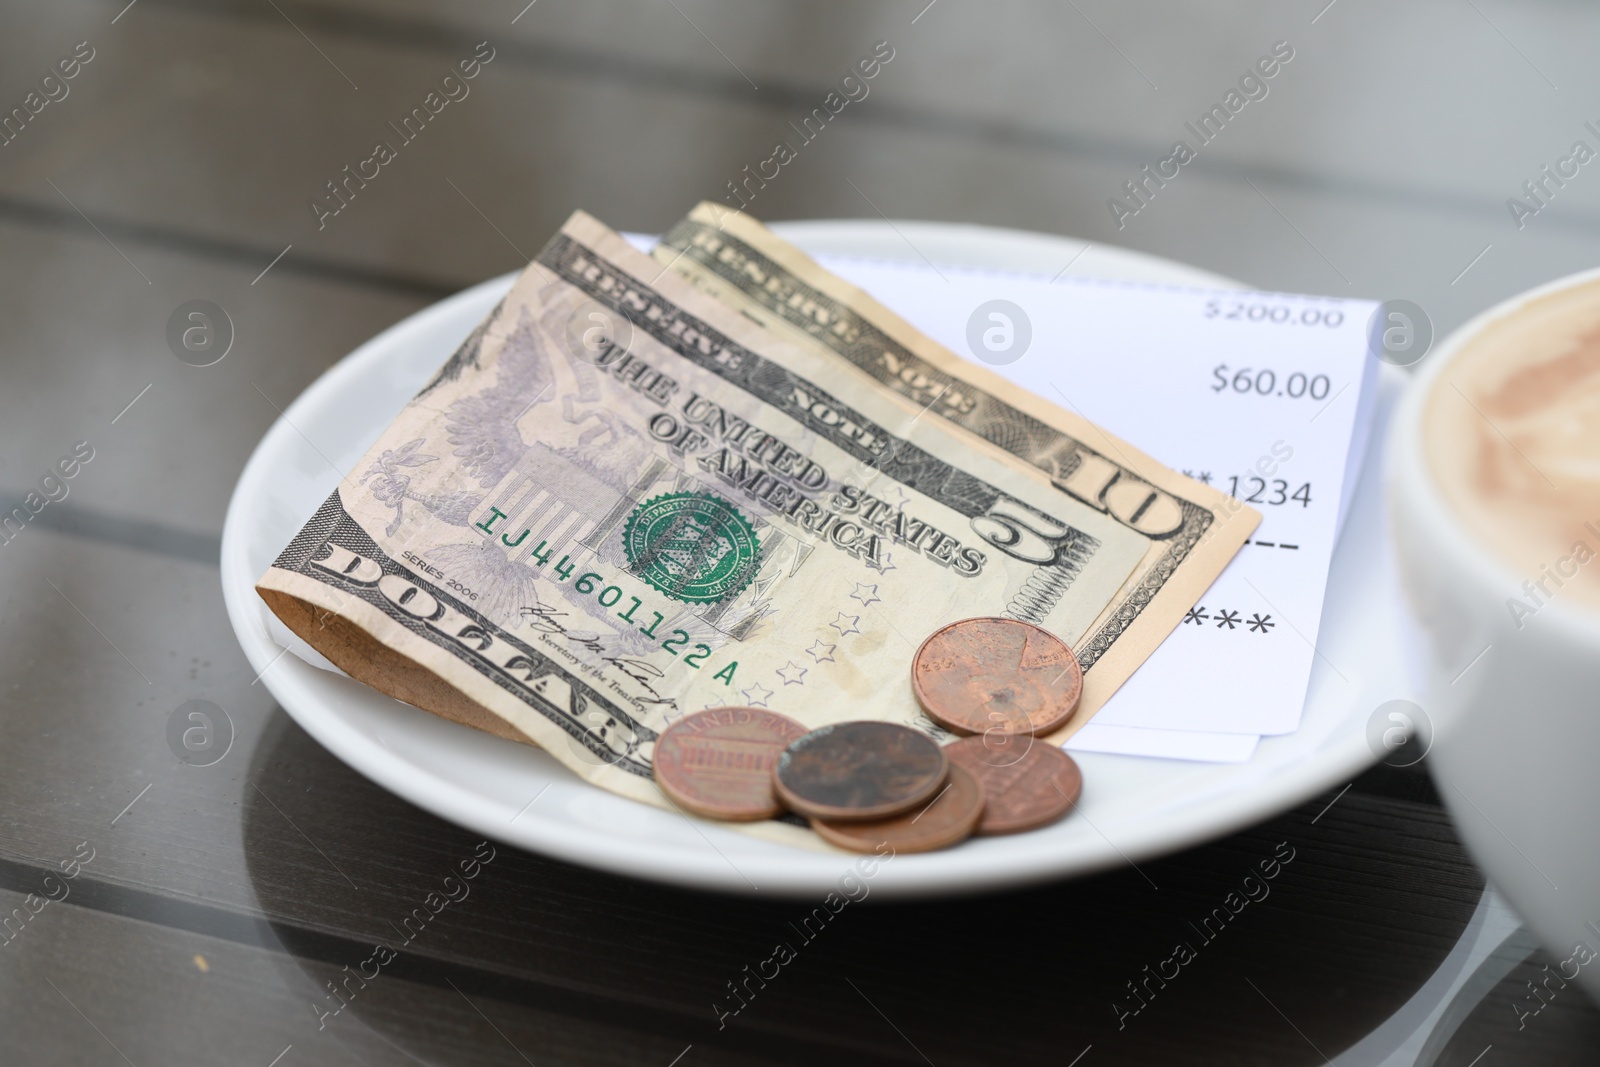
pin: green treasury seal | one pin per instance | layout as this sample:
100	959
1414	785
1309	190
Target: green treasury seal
694	547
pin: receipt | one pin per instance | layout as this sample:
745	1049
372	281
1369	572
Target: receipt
1266	396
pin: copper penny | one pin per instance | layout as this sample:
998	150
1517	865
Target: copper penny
859	770
996	676
943	821
1027	783
718	762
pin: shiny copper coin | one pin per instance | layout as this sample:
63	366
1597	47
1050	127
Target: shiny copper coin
859	770
1027	783
718	762
996	675
945	820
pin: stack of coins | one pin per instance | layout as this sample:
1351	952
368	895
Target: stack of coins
1002	682
865	784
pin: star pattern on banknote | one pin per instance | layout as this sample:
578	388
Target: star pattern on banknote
792	673
867	594
1197	615
1260	623
846	624
1227	618
886	566
756	696
821	651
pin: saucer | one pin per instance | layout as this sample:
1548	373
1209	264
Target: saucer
1131	809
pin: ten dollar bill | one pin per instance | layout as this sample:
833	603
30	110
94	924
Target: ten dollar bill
1189	531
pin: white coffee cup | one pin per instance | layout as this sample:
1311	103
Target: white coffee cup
1515	709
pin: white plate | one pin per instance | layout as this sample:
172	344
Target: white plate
1131	809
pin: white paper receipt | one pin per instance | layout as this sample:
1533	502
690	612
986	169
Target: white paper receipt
1266	396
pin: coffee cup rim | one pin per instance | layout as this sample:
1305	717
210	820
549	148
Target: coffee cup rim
1409	473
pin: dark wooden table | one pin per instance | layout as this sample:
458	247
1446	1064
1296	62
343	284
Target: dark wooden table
229	911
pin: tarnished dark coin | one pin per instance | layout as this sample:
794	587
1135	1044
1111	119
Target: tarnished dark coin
859	770
996	676
939	823
718	762
1027	783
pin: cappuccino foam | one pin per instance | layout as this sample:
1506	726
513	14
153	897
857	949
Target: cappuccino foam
1512	435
